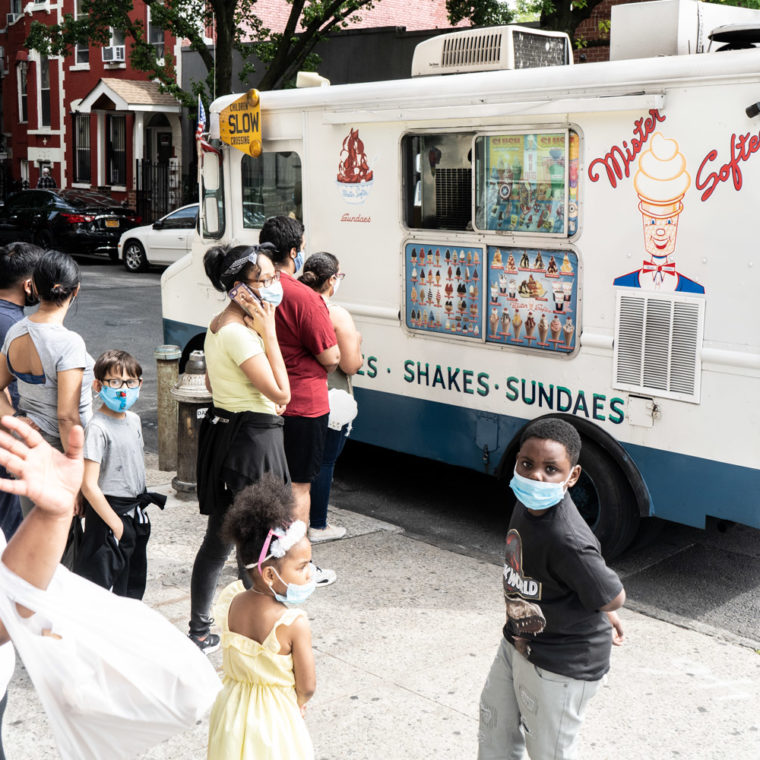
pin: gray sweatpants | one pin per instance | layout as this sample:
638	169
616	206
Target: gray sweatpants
523	706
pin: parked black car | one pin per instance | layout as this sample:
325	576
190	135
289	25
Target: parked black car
75	221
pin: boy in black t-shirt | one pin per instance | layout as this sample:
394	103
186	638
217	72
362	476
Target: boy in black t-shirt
560	598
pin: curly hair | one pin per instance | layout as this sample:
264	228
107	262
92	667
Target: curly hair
256	510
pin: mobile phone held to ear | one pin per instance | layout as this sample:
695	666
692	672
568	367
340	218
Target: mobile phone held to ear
241	287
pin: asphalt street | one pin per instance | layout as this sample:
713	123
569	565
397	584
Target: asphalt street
707	580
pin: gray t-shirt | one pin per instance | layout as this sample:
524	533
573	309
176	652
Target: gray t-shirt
118	445
59	350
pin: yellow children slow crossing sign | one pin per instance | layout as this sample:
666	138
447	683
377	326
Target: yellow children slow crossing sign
240	124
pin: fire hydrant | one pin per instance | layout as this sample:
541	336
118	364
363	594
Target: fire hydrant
193	401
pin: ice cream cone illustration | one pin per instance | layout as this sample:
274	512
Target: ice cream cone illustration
661	182
568	331
505	321
543	329
516	324
530	325
494	320
555	326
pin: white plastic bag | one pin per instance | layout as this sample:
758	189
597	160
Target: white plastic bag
343	408
114	676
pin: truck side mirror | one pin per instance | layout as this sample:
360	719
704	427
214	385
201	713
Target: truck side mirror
211	172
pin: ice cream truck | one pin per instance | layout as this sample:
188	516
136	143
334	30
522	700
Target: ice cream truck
523	237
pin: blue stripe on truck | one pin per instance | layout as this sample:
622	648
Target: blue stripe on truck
684	488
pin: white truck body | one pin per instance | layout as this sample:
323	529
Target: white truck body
661	363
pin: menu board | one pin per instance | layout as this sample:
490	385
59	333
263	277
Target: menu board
524	182
532	298
444	289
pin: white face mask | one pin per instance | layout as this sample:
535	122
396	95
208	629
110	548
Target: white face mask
336	286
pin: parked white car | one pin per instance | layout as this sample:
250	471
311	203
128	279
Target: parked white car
162	242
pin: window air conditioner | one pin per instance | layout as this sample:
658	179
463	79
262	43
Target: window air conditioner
11	18
490	49
113	54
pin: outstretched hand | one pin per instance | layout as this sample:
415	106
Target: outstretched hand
44	475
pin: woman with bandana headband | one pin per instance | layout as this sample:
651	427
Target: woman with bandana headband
241	436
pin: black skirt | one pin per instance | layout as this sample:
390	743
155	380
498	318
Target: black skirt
234	450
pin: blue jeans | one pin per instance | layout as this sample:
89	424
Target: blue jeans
321	485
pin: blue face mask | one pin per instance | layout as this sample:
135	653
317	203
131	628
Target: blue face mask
296	593
119	399
536	494
298	260
272	294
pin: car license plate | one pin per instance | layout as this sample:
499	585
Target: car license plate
112	222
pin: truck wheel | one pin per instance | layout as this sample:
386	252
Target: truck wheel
605	500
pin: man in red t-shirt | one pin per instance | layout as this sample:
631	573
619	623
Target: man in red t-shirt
310	350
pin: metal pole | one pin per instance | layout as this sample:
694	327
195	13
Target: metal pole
167	361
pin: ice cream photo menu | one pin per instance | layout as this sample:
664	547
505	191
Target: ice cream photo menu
532	298
444	289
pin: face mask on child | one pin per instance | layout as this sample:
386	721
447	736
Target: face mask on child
536	494
119	399
296	593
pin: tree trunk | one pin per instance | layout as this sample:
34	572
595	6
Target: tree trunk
225	30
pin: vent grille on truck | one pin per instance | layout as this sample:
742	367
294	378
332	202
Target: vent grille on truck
470	50
532	51
453	198
657	345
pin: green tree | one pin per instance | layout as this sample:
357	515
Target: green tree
237	28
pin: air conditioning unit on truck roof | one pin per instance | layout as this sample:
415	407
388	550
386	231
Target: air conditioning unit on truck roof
490	49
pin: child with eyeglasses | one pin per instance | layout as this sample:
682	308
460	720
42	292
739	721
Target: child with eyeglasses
113	552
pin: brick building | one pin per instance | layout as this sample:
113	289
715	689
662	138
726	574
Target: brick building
87	116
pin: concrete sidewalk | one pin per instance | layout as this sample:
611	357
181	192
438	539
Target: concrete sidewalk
403	642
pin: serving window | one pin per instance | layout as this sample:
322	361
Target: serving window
438	181
514	182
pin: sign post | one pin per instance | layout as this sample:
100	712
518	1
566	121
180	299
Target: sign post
240	124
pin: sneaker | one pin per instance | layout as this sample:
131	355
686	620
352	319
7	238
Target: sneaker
328	533
323	577
208	644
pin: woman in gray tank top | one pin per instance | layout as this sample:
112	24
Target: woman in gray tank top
322	273
50	362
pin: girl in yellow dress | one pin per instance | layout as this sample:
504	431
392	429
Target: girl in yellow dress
268	662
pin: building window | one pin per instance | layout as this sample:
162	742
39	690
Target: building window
155	36
81	54
16	7
116	150
81	50
44	91
82	148
23	106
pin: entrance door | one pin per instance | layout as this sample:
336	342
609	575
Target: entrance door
163	146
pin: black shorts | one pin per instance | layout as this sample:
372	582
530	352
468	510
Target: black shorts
304	446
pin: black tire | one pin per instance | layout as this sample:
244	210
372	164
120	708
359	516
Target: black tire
43	239
113	257
135	259
605	499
